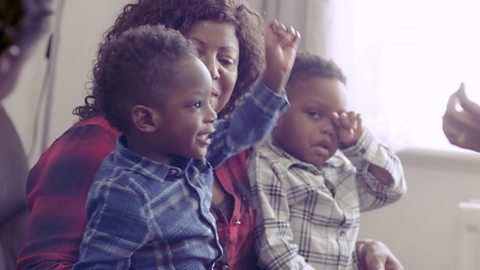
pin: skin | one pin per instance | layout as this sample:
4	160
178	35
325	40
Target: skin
313	128
281	48
218	48
181	126
281	43
461	121
306	130
318	123
375	255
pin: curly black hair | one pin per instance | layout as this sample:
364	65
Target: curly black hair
137	67
182	15
309	65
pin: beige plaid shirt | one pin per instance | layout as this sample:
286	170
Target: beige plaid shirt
308	217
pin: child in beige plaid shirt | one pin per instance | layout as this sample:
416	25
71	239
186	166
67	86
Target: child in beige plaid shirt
318	171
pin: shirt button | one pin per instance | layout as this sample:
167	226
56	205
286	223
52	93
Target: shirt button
238	222
225	267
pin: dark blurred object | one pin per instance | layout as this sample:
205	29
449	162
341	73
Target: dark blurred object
13	207
23	23
11	12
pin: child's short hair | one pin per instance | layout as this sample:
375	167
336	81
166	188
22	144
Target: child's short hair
310	65
135	68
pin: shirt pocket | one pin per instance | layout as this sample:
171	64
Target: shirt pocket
310	198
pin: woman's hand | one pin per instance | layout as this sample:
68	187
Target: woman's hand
461	121
375	255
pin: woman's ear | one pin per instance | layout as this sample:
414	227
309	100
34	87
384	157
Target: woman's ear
145	119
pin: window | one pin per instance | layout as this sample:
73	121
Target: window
403	58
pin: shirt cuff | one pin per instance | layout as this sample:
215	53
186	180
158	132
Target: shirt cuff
367	150
269	101
366	146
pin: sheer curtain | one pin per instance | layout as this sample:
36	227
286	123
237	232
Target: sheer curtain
402	58
313	18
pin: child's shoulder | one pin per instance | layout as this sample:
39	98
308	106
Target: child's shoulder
271	157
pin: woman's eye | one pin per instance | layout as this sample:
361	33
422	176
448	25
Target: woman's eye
227	61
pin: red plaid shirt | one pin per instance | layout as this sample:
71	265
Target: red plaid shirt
57	189
236	235
59	182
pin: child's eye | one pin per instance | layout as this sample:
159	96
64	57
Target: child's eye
197	105
313	114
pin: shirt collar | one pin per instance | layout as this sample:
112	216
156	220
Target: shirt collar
150	168
286	160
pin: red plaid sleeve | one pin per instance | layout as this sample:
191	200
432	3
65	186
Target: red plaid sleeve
57	189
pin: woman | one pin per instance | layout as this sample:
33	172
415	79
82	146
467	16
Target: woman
227	35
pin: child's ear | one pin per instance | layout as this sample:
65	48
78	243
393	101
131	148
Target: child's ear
145	119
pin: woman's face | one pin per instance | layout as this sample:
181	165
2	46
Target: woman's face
218	48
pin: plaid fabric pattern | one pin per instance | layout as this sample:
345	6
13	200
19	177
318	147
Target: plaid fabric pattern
308	217
59	182
144	214
236	234
57	189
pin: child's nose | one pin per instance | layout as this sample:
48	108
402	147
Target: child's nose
210	115
328	127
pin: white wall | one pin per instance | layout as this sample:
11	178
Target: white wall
422	228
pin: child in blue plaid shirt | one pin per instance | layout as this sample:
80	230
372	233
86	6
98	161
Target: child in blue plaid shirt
149	207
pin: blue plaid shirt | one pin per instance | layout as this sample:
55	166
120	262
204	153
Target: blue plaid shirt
143	214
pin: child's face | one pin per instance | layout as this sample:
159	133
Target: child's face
218	48
186	118
305	130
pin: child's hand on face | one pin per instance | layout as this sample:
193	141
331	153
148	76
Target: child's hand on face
281	49
349	128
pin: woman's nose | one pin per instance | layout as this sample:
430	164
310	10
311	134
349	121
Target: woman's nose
212	65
